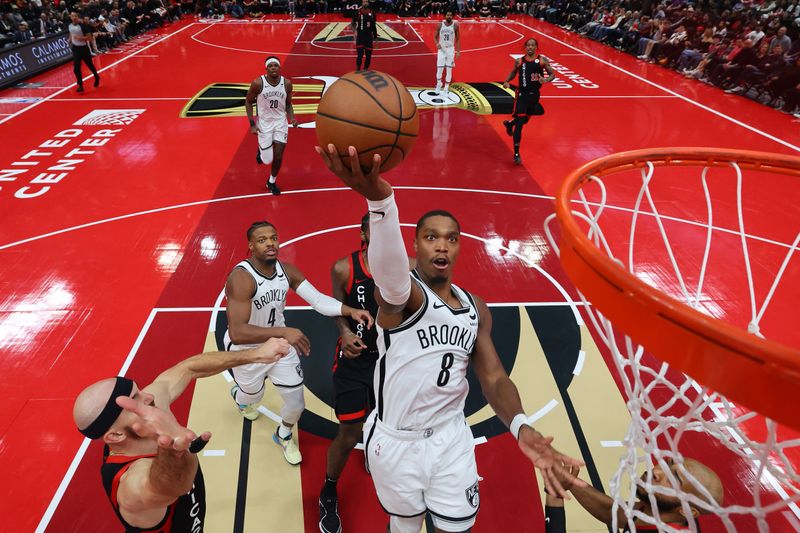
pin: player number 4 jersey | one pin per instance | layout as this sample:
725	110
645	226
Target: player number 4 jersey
268	302
421	378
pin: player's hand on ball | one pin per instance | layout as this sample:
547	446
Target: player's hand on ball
551	463
371	185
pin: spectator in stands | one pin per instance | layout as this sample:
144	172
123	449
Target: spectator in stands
770	65
781	39
669	51
646	45
694	52
405	9
757	34
118	24
133	18
642	27
747	55
44	26
23	34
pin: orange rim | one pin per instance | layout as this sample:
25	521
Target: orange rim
760	374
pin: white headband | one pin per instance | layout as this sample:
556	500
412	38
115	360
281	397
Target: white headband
272	60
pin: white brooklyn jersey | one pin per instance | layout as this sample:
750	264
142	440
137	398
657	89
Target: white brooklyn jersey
271	101
447	35
421	379
268	302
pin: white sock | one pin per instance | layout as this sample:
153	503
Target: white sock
446	87
273	179
284	432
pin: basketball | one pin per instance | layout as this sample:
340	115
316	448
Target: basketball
371	111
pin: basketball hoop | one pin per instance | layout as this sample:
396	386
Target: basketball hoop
717	367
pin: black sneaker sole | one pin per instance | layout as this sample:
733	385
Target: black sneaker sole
322	529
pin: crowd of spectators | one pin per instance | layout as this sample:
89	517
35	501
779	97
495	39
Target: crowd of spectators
745	47
113	22
404	8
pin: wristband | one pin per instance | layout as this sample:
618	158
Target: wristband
516	423
252	122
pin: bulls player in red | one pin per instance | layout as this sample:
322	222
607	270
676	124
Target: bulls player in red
531	69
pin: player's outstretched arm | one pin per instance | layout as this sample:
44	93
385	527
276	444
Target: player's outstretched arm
322	303
596	503
172	382
388	260
502	395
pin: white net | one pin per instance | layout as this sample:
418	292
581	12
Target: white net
683	231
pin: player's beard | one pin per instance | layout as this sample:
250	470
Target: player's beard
270	262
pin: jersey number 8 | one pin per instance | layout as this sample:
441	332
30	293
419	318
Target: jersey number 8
447	364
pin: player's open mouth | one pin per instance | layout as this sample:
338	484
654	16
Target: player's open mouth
441	263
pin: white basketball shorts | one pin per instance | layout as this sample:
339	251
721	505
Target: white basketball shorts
272	131
446	57
287	372
429	470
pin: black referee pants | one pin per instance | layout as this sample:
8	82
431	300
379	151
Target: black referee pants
82	53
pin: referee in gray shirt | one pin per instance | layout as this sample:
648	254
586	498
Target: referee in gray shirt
79	35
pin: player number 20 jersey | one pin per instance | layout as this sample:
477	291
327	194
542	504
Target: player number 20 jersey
447	35
271	101
421	377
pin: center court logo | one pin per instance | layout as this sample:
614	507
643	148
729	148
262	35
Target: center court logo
110	117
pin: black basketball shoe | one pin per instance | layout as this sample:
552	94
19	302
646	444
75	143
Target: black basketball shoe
329	521
273	188
517	159
509	128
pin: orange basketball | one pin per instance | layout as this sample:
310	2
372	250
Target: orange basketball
371	111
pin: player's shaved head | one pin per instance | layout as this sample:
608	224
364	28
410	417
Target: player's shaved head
91	401
707	478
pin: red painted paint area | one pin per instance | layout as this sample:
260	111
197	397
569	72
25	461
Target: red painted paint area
75	298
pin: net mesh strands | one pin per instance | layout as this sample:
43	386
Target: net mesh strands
656	275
